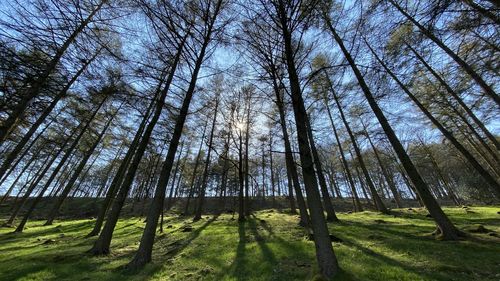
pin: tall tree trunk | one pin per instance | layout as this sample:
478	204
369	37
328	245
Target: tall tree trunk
61	163
446	227
37	200
143	254
272	172
388	178
357	202
291	200
176	171
460	101
241	180
225	171
28	164
102	244
39	176
122	169
27	136
28	149
40	81
201	195
440	174
85	173
494	185
290	163
55	209
194	176
246	168
466	67
109	171
325	256
376	198
330	212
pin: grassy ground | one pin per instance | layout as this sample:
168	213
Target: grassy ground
269	246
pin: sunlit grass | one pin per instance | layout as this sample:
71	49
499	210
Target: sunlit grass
268	246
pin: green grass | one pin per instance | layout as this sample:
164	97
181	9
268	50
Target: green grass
269	246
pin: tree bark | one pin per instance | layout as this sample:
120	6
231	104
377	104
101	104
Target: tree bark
495	187
102	244
201	195
448	230
290	163
466	67
330	211
357	203
143	254
327	261
55	209
376	198
24	140
40	81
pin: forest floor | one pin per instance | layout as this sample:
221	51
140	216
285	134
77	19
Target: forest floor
269	246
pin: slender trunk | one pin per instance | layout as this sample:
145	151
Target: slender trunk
460	101
362	185
246	168
290	163
37	200
448	230
41	80
495	187
62	178
484	146
376	198
272	172
441	175
194	176
24	140
225	171
388	178
32	187
28	149
122	169
7	193
330	212
176	171
201	195
327	261
55	209
466	67
102	244
241	178
109	171
143	254
291	200
63	160
357	202
85	173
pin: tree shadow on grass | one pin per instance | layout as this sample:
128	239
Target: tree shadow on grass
398	264
406	239
58	260
176	247
36	230
266	251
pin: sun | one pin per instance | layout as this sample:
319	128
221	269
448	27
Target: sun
240	126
